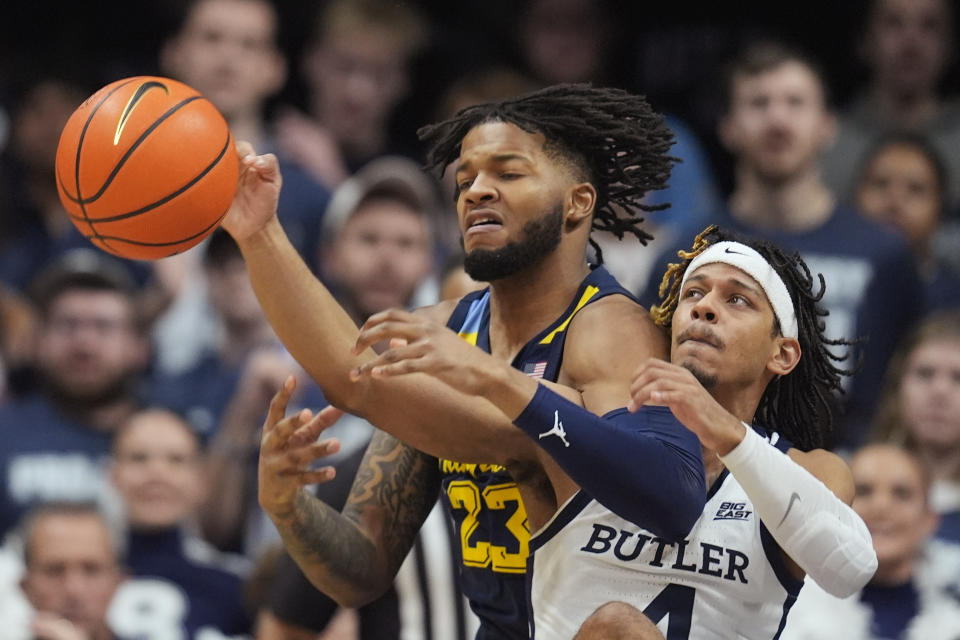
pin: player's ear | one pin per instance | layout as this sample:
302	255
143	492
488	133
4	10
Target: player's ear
785	356
579	205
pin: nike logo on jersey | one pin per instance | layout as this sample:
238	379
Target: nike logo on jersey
793	498
557	430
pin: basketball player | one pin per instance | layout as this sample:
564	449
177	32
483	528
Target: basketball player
535	175
740	317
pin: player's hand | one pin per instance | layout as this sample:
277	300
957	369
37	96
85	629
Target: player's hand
288	449
418	344
656	382
258	191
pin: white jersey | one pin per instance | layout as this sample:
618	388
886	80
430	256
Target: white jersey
727	579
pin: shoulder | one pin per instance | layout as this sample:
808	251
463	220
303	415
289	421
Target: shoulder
612	333
439	312
617	320
827	467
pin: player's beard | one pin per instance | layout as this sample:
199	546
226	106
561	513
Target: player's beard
105	394
708	380
540	238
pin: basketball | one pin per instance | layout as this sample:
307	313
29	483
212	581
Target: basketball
146	167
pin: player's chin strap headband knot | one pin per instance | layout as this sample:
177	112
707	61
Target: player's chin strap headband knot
753	264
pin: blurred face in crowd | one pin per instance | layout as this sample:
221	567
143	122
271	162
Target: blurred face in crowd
231	294
380	256
357	76
930	393
88	348
908	44
563	40
900	188
778	122
227	51
891	498
72	570
157	469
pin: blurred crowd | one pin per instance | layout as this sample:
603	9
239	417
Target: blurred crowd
132	393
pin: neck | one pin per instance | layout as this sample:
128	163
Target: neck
523	304
904	108
105	418
798	203
892	574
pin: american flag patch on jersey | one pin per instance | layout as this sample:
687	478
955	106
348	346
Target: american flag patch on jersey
535	369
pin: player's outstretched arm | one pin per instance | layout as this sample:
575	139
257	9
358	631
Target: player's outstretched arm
351	556
320	335
604	344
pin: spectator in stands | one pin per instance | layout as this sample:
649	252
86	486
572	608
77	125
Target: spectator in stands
577	41
90	353
72	559
227	50
907	46
920	409
356	71
913	594
179	585
903	184
34	227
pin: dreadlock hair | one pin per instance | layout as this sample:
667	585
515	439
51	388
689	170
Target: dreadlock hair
801	404
613	138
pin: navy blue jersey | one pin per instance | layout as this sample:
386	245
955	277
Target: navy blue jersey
488	515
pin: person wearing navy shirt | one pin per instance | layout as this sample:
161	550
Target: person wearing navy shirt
90	351
178	583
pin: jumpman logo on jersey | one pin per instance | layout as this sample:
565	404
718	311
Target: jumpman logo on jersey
557	429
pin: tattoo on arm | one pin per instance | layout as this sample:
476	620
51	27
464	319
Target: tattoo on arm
362	548
394	491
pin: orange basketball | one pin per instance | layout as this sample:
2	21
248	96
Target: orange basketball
146	167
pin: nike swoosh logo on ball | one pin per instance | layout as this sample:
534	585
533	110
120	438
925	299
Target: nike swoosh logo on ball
134	99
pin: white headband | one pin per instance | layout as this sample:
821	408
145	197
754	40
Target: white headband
753	264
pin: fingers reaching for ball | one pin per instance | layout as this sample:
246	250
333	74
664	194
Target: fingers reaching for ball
257	194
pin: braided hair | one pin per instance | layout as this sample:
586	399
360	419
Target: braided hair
801	404
613	138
